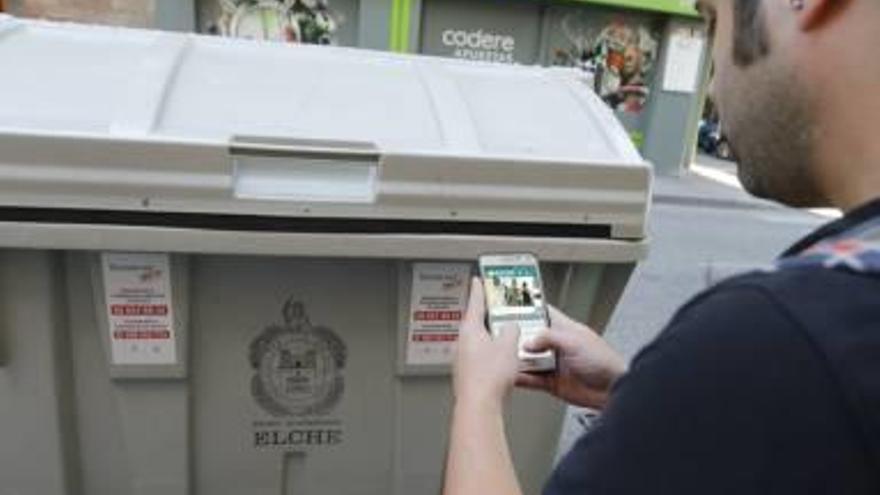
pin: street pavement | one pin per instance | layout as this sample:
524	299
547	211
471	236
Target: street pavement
697	227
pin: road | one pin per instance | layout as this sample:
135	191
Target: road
685	242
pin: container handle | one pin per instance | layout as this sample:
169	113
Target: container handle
299	170
354	151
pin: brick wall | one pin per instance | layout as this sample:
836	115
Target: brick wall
134	13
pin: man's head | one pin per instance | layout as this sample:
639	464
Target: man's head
770	88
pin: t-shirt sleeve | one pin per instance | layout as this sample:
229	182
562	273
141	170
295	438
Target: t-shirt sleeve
726	400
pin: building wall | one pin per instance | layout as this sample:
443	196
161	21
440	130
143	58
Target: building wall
374	24
132	13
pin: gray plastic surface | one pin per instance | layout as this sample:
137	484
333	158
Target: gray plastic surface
159	122
72	423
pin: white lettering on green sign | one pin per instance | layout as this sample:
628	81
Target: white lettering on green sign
479	45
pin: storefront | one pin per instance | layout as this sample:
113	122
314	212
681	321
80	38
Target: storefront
492	31
333	22
646	58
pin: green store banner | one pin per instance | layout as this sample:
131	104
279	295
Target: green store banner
680	7
401	14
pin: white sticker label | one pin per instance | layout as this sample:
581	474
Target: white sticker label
439	297
137	294
684	53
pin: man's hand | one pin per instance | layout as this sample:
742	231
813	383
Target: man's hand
485	367
587	365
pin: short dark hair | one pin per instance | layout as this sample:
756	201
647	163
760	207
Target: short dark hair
750	41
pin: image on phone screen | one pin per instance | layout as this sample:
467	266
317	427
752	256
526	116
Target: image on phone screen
513	291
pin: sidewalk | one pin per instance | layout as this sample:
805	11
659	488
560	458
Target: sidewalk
710	182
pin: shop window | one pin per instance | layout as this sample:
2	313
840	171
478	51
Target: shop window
321	22
618	49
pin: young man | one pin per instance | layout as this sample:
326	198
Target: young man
769	382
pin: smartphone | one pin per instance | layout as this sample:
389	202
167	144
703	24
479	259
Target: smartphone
515	294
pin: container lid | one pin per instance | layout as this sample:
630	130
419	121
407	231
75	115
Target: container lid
112	120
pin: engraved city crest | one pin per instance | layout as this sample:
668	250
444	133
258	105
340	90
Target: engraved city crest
298	366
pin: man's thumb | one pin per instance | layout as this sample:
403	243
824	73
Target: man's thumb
543	342
509	334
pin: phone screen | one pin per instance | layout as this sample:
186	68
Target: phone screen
514	294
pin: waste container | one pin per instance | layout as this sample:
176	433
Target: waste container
233	267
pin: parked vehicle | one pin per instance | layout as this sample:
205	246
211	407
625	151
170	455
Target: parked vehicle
711	140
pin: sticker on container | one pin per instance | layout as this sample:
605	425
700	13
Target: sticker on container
140	316
439	297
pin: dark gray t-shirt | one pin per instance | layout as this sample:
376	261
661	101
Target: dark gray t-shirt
768	383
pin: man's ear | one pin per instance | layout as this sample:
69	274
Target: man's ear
815	13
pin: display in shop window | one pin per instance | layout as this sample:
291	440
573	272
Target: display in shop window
292	21
620	54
